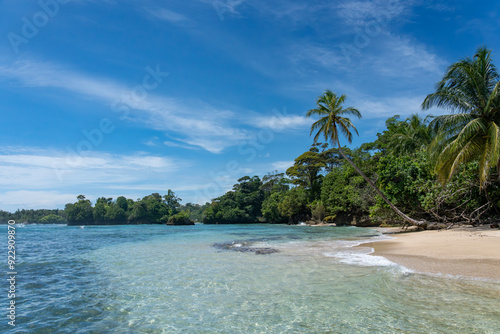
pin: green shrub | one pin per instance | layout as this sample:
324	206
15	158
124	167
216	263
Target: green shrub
182	218
52	219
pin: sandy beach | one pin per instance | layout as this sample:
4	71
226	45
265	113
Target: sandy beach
473	252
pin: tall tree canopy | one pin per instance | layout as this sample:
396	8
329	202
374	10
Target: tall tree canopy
470	90
306	171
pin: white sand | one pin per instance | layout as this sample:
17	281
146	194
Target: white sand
471	251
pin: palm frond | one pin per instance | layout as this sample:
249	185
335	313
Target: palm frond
470	88
332	120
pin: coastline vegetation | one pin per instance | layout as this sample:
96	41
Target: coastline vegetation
439	170
151	209
431	172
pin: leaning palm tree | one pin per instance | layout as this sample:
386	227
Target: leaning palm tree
470	90
332	120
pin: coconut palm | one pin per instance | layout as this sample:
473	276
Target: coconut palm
412	135
470	90
332	121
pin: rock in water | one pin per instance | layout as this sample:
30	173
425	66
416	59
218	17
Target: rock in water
244	247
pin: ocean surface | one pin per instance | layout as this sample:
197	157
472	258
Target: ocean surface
231	279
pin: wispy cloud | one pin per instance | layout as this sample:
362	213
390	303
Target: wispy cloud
174	144
35	170
199	124
280	123
151	141
195	122
404	106
441	7
168	15
41	169
34	199
412	58
226	7
362	12
282	165
316	56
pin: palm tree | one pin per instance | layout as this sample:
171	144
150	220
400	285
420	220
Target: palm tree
332	120
470	90
412	135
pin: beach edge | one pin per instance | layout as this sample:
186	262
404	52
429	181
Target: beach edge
466	251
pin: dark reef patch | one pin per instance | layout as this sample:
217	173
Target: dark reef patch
245	247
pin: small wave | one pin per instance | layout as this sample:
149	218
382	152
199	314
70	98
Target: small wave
351	252
361	257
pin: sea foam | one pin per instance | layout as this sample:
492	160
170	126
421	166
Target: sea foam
354	253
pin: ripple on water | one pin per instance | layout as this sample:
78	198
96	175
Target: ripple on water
144	280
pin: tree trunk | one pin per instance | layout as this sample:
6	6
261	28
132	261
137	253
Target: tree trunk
414	222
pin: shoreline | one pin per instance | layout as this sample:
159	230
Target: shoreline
472	252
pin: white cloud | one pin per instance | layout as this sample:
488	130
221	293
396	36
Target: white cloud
42	74
153	141
34	199
54	178
441	7
195	122
55	169
174	144
200	124
374	107
365	42
246	170
280	123
168	15
411	58
225	7
282	165
356	11
362	12
316	55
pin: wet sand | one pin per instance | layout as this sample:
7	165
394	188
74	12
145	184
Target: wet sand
473	252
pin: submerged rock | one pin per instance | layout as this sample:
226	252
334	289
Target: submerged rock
244	247
264	251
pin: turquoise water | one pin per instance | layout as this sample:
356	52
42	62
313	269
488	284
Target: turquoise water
211	279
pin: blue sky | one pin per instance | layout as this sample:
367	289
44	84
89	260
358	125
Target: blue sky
110	98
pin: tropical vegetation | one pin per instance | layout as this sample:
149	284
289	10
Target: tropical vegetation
422	170
151	209
437	170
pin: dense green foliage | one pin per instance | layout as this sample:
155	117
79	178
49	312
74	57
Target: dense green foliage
344	191
403	172
41	216
181	218
52	219
151	209
241	205
306	171
195	211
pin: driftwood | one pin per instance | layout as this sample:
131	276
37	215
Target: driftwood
450	215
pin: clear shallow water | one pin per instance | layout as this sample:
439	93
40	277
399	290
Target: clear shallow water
171	279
